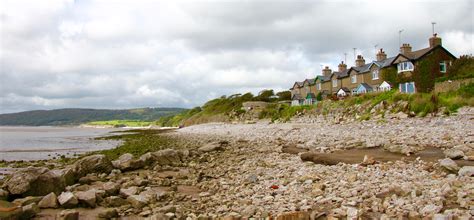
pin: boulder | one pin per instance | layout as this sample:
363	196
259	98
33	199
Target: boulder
209	147
98	163
67	200
87	198
108	213
449	165
128	191
167	157
454	154
49	201
466	171
137	201
34	181
111	188
68	215
126	162
114	201
29	211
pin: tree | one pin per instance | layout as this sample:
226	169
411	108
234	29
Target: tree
284	95
264	95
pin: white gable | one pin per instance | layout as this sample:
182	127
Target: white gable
341	92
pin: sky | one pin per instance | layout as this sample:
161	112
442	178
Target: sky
129	54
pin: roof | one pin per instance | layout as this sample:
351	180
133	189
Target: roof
418	54
296	97
385	63
345	89
310	81
340	74
364	68
298	84
365	85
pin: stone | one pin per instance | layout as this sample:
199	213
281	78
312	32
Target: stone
352	213
34	181
449	165
466	171
249	211
126	162
129	191
49	201
430	209
167	157
29	211
368	160
70	214
3	194
97	163
27	200
87	198
111	188
167	209
454	154
67	200
209	147
137	201
108	213
88	179
114	201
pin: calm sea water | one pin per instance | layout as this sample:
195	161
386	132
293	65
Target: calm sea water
36	143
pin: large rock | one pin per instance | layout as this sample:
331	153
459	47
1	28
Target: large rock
454	154
98	163
68	215
137	201
114	201
49	201
129	191
167	157
108	213
209	147
67	200
34	181
87	198
111	188
449	165
466	171
29	211
126	162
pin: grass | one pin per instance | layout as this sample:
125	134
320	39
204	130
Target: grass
121	123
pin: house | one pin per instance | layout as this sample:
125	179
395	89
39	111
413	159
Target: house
408	67
310	99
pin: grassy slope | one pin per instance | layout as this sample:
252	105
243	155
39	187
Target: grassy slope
121	123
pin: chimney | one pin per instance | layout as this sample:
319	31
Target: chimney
405	49
342	66
435	41
327	71
381	55
360	61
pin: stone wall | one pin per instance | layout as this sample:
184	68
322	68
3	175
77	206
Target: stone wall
451	85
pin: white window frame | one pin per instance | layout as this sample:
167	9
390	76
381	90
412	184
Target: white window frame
354	79
334	83
442	63
318	86
405	66
375	74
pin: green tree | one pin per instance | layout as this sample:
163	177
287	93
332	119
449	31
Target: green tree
284	95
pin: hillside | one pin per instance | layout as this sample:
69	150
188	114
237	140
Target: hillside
76	116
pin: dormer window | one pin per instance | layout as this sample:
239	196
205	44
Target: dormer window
375	74
354	79
405	66
334	83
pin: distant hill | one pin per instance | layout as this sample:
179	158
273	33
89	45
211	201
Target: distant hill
76	116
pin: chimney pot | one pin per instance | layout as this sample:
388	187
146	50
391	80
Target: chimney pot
405	49
360	61
381	55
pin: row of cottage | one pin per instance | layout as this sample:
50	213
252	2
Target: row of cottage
366	77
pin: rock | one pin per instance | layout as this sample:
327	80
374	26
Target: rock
167	209
137	201
114	201
98	163
147	158
454	154
87	197
126	162
69	215
27	200
430	209
29	211
209	147
49	201
449	165
469	155
249	211
88	179
108	213
34	181
466	171
352	213
67	200
69	175
111	188
167	157
3	194
129	191
368	160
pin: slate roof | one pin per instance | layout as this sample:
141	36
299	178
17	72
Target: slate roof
310	81
418	54
366	86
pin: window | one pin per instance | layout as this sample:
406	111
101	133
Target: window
318	86
354	79
442	67
375	74
408	87
334	83
405	66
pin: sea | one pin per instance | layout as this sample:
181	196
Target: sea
44	142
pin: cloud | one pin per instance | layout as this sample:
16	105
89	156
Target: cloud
119	54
